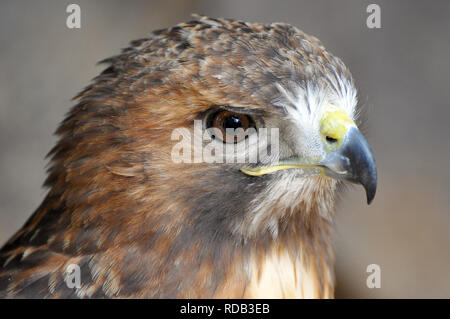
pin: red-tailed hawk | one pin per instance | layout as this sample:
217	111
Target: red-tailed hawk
139	223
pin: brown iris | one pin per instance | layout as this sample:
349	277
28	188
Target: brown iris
231	125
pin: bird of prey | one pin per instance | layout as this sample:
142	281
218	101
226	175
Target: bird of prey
140	224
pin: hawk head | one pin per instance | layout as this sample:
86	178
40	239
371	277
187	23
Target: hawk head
146	196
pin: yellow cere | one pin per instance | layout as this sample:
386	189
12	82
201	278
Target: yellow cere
335	123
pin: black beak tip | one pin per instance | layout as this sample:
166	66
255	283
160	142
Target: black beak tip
370	197
363	163
371	189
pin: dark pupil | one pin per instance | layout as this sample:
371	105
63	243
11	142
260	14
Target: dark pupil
232	122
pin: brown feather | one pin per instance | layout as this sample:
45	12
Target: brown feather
139	225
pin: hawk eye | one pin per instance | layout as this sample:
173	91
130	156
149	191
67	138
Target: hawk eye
232	127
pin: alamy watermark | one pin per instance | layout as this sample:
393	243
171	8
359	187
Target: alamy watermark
374	279
209	146
73	20
374	19
73	276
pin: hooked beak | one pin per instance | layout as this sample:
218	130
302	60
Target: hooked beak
348	155
353	161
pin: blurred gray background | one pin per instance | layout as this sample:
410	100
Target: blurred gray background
402	71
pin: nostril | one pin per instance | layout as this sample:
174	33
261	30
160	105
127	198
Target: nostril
331	139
